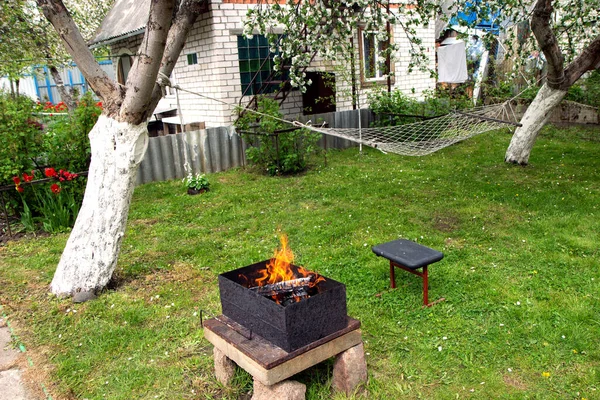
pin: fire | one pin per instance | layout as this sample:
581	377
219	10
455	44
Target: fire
280	270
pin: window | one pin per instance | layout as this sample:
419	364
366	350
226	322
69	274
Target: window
257	73
123	66
192	58
373	67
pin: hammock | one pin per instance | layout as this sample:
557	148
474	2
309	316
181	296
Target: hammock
416	139
426	137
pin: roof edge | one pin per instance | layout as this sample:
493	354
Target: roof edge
95	44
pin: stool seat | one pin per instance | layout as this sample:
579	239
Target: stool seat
409	254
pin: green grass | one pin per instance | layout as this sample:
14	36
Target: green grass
520	275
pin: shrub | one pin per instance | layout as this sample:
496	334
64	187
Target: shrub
66	144
396	108
273	151
20	136
586	90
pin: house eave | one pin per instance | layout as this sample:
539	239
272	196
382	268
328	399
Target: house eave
114	39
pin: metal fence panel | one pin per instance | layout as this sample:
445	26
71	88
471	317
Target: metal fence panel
219	149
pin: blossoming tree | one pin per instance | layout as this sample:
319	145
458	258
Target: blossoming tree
118	140
565	30
28	39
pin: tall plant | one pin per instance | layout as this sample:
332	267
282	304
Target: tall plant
272	148
20	136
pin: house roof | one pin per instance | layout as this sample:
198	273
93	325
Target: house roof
126	18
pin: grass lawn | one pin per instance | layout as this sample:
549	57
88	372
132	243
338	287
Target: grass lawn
520	276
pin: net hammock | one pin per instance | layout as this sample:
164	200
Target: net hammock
429	136
416	139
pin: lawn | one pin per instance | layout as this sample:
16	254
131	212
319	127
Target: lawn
520	276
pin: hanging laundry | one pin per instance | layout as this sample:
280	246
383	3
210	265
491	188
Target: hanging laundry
452	62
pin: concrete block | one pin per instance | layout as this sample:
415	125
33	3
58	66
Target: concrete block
350	371
224	367
286	390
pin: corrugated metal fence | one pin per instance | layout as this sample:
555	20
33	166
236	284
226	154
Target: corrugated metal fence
219	149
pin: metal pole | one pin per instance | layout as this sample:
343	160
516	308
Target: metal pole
359	126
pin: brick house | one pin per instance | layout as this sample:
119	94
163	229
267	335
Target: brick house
219	63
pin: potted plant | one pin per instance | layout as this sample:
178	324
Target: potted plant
197	184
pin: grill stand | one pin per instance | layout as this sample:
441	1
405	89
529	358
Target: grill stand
270	365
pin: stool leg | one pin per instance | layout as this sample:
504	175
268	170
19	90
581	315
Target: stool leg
425	287
392	275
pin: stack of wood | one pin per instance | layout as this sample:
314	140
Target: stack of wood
287	292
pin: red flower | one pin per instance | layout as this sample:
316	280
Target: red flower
55	188
19	188
99	104
16	180
27	178
50	173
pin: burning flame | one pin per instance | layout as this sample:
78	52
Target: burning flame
280	269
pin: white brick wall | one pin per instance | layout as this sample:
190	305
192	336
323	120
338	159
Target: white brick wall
216	76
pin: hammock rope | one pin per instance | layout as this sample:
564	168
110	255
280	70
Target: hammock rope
415	139
428	136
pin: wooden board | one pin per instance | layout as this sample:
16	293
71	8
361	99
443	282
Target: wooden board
269	363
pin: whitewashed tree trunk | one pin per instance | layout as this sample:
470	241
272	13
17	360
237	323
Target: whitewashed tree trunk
535	118
90	255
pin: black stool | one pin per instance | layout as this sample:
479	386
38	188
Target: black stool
409	256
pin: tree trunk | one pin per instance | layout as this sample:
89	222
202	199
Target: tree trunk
66	94
534	119
90	255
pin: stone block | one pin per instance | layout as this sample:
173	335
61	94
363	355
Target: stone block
350	371
285	390
224	367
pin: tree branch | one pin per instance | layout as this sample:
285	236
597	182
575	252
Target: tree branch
589	59
56	12
540	25
187	13
144	71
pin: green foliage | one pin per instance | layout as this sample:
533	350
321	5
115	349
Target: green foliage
53	205
273	151
587	90
66	144
396	108
20	136
197	182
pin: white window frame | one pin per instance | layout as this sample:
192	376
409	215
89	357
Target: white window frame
380	77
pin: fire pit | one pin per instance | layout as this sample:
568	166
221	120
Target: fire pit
284	303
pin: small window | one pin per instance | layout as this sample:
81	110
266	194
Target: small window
123	66
257	66
192	58
373	62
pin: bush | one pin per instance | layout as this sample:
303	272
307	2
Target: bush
275	152
396	108
20	136
30	141
586	90
66	144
